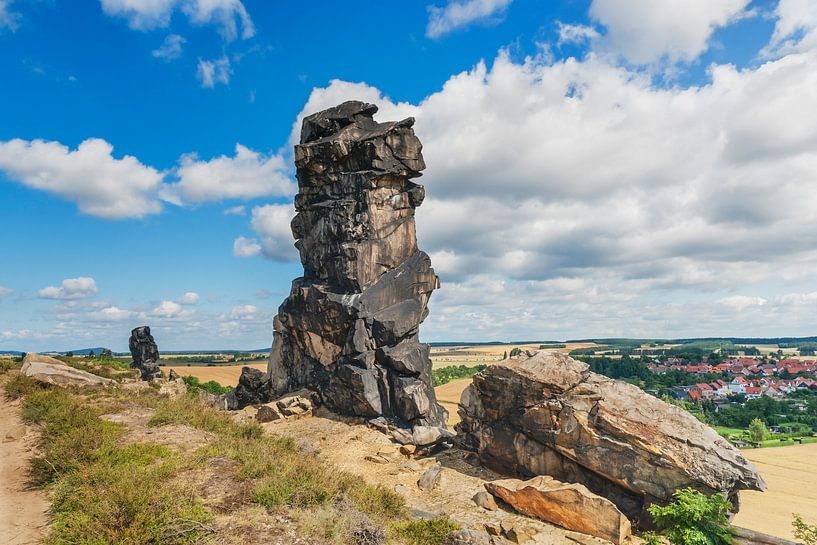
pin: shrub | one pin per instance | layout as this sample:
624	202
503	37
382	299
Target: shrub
693	518
444	375
424	532
807	533
194	384
757	430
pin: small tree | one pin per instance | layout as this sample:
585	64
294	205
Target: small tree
757	430
69	355
692	518
515	351
805	532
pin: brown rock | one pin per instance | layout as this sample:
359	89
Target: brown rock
570	506
547	414
493	528
407	450
268	412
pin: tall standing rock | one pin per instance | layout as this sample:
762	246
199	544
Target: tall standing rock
145	353
349	328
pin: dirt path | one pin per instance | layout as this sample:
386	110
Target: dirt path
23	511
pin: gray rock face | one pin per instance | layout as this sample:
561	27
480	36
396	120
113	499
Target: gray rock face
145	353
349	328
54	372
547	414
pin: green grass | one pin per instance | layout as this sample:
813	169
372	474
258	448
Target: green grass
444	375
107	492
423	532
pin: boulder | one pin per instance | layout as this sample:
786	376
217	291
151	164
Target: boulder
571	506
430	478
485	500
56	373
548	414
268	412
172	388
349	327
423	436
145	353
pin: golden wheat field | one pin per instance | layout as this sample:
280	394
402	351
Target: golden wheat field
226	375
791	473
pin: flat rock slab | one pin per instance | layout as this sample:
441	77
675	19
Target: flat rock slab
54	372
571	506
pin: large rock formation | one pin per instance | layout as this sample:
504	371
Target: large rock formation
145	353
56	373
547	414
349	328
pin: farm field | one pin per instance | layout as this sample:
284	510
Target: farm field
789	472
226	375
486	354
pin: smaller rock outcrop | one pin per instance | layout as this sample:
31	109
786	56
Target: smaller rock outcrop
145	353
571	506
548	414
56	373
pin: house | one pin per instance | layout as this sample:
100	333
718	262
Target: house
738	385
753	392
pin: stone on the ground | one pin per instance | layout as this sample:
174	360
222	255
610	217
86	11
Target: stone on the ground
402	436
212	400
145	353
134	385
173	375
52	371
380	424
467	537
423	436
268	412
172	388
548	414
517	532
252	389
14	433
430	479
571	506
485	500
407	450
349	328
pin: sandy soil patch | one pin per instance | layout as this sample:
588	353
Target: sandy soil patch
791	473
226	375
23	511
346	443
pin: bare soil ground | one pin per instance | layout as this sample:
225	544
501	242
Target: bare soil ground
23	510
226	375
791	473
345	443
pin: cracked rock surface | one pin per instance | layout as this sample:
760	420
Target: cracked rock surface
547	414
349	328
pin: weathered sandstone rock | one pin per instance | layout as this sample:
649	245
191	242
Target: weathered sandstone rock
52	371
145	353
570	506
349	328
485	500
547	414
430	478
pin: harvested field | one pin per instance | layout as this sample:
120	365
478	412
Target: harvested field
791	473
449	397
226	375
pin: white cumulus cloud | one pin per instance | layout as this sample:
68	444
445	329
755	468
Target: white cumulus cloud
101	184
231	16
167	309
246	247
171	48
646	32
213	72
243	312
458	14
189	298
246	175
272	224
71	288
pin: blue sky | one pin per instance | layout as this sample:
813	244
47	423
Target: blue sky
596	168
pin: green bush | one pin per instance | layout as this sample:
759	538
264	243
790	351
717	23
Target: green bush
692	518
807	533
444	375
194	384
424	532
